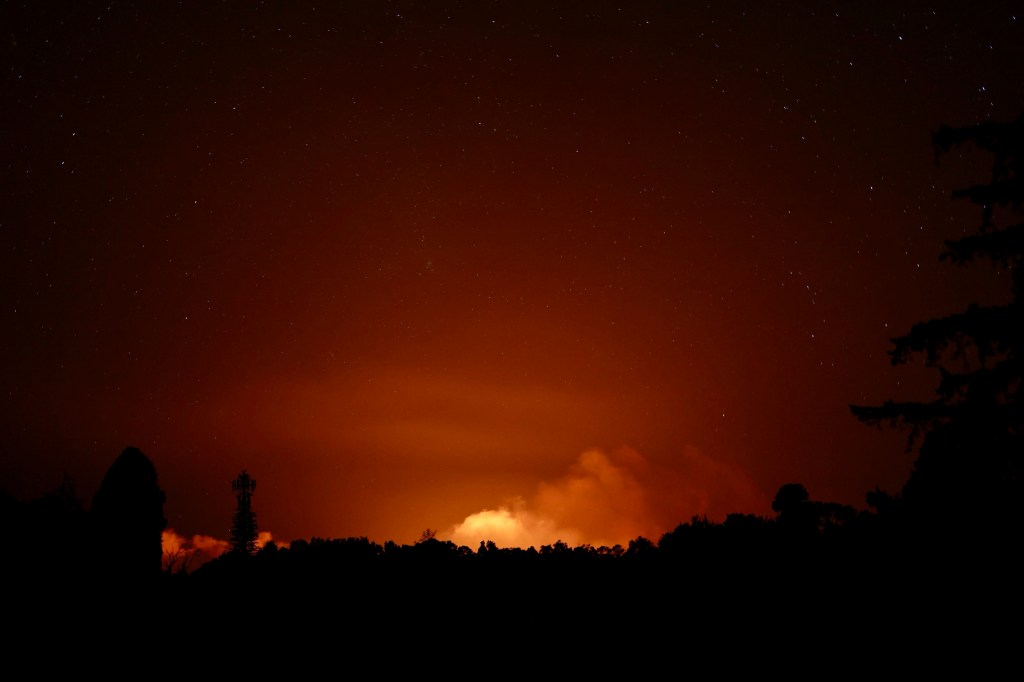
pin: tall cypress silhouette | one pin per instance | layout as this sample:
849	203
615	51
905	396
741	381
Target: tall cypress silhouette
128	516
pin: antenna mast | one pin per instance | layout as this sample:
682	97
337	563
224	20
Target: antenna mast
243	528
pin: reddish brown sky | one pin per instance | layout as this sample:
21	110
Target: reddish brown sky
494	269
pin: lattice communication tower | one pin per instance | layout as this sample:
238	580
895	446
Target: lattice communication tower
243	527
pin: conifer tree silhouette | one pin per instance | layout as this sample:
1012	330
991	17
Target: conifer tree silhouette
128	517
243	526
968	469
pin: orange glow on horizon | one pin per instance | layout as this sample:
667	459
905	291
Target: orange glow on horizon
179	551
610	499
522	275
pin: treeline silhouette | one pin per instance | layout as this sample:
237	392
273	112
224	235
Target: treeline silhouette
949	542
55	538
120	536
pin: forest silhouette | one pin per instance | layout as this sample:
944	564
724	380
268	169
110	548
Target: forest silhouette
947	543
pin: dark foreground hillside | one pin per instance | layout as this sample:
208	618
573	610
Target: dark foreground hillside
815	615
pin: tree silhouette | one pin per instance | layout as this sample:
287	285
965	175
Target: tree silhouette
180	560
967	473
790	499
128	517
243	525
797	514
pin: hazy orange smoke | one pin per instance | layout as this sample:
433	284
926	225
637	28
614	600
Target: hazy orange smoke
190	553
612	498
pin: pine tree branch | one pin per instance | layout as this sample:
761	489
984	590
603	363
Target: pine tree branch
1003	247
987	329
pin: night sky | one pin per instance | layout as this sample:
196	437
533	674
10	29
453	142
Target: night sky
509	270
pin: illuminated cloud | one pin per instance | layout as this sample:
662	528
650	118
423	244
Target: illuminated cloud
611	498
190	553
265	537
511	525
181	553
